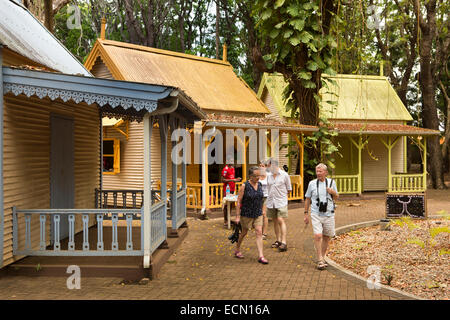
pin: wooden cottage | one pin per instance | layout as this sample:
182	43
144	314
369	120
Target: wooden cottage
373	132
50	150
224	97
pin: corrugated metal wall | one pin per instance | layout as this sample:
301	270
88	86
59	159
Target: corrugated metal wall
27	159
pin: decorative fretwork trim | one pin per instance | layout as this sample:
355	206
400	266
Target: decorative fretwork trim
77	97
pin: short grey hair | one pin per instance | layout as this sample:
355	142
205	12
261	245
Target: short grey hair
272	161
252	170
322	166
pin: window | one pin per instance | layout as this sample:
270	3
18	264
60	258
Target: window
111	156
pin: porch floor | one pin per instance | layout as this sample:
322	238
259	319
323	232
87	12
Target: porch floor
127	267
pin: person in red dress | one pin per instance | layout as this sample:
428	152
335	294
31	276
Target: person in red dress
228	178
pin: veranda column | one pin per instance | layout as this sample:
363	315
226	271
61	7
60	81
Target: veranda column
424	161
146	237
183	169
173	207
163	132
205	184
360	147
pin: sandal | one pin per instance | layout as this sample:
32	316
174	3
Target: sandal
263	260
276	244
321	265
264	236
282	247
238	255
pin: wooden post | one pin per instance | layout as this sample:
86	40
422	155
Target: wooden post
103	29
173	196
360	147
205	182
163	132
146	230
424	161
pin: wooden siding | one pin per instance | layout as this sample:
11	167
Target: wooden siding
10	58
100	70
397	157
27	160
268	101
131	158
375	172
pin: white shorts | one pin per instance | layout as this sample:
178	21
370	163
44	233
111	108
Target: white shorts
323	225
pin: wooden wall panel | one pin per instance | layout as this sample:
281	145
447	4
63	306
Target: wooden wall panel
27	159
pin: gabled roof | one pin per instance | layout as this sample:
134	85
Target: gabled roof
211	83
358	97
22	33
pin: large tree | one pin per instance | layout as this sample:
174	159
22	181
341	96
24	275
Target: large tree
298	33
434	53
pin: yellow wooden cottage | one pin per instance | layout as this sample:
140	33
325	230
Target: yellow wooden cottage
51	110
225	98
373	132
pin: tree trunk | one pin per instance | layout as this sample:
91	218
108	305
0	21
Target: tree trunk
217	29
132	24
48	15
181	26
428	89
446	144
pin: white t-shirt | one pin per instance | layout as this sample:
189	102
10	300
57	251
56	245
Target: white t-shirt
323	196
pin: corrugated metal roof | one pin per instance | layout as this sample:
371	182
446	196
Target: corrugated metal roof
21	32
211	83
371	128
363	97
261	123
358	97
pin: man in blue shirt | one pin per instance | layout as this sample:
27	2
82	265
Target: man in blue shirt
320	196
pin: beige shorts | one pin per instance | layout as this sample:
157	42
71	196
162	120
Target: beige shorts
249	223
323	225
277	212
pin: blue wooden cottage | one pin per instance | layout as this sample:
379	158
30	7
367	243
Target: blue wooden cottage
51	149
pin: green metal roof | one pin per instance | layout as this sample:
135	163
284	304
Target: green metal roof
361	97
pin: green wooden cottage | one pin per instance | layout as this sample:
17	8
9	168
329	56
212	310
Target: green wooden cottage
372	123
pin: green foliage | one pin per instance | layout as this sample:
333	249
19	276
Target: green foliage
438	230
416	241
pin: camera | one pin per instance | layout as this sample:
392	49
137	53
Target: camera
322	206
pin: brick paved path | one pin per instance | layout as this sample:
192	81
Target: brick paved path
204	267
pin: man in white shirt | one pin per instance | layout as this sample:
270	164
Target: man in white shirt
279	186
320	196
